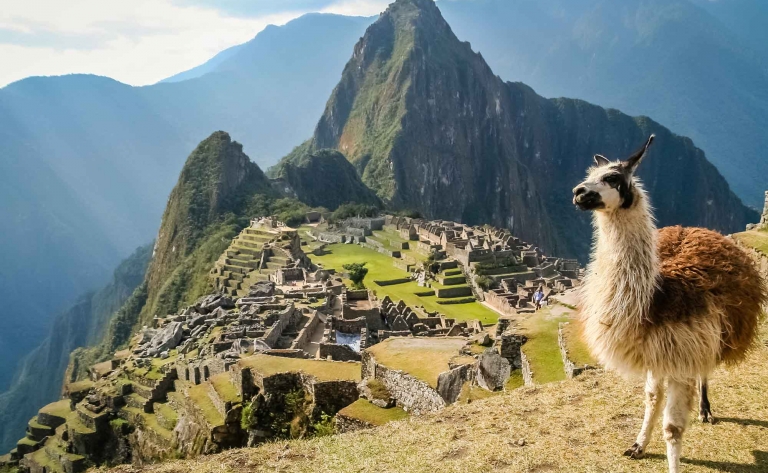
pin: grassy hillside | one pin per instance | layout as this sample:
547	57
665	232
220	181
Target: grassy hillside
581	425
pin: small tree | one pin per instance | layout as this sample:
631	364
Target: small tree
357	272
484	282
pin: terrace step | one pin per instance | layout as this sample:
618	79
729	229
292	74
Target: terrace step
38	431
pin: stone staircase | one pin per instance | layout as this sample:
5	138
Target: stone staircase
252	257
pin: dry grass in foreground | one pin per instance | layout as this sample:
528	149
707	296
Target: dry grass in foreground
582	425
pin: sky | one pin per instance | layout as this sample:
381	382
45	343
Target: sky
139	42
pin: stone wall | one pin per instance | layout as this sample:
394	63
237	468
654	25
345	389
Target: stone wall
499	303
349	424
338	352
526	366
412	394
510	348
288	317
301	340
571	369
760	259
332	396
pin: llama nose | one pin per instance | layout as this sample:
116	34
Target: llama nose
577	191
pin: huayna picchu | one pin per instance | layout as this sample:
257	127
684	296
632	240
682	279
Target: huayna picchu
430	127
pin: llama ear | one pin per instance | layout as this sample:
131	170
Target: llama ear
634	161
601	160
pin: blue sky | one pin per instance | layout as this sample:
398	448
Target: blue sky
139	42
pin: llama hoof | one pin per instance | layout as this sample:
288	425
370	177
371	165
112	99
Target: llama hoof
635	452
705	416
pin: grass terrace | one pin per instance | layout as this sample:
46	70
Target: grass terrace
150	422
380	268
224	387
423	358
757	239
199	395
322	370
542	348
58	409
578	351
366	411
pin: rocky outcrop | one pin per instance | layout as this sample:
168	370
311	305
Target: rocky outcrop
493	371
430	127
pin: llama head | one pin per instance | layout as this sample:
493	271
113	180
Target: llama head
610	185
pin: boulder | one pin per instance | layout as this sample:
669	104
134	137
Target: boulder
262	289
165	339
492	371
197	321
209	303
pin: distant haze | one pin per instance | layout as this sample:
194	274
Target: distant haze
139	42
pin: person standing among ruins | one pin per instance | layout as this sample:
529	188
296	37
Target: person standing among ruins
538	296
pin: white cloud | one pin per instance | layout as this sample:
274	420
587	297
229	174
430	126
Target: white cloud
134	41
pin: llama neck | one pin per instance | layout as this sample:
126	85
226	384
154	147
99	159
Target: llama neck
623	275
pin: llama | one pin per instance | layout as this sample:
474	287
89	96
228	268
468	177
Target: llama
668	304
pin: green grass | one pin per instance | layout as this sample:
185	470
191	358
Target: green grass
322	370
578	352
74	422
541	348
515	380
380	268
199	395
757	239
423	358
166	411
33	423
27	441
150	422
41	458
77	386
224	387
58	409
367	412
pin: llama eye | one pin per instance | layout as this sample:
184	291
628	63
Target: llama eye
612	180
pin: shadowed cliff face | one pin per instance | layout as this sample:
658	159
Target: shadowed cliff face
323	179
429	126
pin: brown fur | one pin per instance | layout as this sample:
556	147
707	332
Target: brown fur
700	267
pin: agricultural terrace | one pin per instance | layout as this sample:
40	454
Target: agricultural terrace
380	268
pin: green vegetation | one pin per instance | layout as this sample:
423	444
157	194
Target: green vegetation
322	370
224	387
378	390
199	395
368	412
309	174
59	409
350	210
324	427
541	348
356	272
423	358
757	239
578	352
381	269
484	282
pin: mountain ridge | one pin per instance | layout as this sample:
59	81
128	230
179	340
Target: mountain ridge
429	126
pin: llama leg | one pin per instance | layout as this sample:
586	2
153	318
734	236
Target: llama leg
654	398
676	413
705	411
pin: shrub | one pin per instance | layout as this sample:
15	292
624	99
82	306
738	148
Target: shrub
484	282
324	426
357	272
